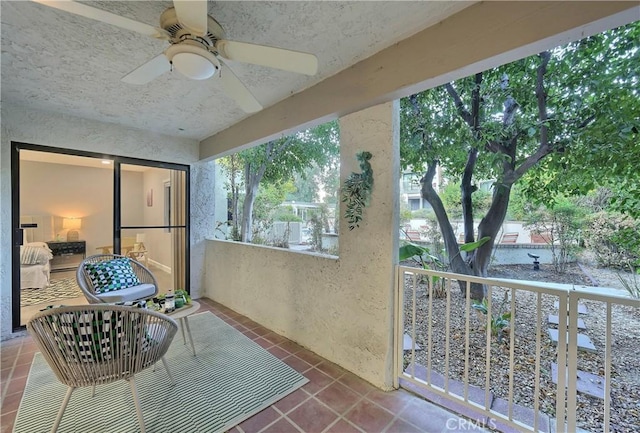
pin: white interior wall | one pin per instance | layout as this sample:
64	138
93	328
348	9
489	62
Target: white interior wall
342	309
57	130
64	190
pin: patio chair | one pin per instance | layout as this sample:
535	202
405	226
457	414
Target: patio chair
115	278
89	345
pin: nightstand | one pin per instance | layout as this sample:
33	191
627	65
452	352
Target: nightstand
66	255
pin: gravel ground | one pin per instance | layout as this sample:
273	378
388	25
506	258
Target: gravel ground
625	369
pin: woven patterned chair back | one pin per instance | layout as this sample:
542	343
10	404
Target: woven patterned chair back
94	344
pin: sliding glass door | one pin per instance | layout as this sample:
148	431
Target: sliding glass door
153	221
81	203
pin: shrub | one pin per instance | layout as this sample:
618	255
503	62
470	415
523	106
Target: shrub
422	213
613	239
562	224
632	284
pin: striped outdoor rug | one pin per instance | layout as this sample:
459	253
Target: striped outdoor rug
230	379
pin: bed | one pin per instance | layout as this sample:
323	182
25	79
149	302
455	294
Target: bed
35	265
35	255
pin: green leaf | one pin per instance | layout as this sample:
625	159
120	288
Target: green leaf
474	245
409	250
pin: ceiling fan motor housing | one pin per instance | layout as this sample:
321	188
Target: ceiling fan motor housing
192	55
169	22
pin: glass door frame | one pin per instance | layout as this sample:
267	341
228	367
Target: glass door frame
16	232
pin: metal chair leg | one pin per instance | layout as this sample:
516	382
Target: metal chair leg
136	401
65	402
93	391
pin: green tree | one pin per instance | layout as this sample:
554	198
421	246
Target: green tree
305	190
232	167
276	162
318	179
561	111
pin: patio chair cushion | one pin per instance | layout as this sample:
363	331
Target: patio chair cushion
110	275
134	293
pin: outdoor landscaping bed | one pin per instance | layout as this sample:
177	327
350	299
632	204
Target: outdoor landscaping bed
625	371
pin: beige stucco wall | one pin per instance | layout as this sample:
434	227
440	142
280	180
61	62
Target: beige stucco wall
340	308
58	130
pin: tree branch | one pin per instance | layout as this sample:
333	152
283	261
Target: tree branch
462	110
541	96
531	160
475	106
495	147
544	148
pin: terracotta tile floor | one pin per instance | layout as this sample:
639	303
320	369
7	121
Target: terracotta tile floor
334	400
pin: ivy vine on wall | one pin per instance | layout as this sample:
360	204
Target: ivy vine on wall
356	191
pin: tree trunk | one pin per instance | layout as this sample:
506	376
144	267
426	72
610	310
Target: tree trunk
456	262
490	226
235	197
247	213
466	189
252	182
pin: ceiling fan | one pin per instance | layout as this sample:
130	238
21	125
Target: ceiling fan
197	48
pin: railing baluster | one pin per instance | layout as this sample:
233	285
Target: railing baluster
429	332
607	370
512	347
466	341
413	325
562	362
572	362
487	370
447	336
536	392
399	331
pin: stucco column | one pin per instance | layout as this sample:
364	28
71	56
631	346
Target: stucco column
370	251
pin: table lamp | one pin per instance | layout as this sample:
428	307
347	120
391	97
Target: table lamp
72	225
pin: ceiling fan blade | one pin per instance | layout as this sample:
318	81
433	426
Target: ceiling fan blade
279	58
148	71
192	15
105	17
233	87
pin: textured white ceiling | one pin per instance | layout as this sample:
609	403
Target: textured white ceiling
56	61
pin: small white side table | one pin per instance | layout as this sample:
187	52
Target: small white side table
183	314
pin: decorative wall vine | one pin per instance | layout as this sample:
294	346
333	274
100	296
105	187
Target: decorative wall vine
356	191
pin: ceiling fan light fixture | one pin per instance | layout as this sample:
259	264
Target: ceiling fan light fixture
193	66
192	61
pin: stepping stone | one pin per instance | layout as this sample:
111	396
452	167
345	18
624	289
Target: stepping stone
476	394
555	320
586	383
584	342
554	422
520	413
582	309
407	342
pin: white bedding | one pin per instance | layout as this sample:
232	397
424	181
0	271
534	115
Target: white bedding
34	267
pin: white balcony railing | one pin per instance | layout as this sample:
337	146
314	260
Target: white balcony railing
507	374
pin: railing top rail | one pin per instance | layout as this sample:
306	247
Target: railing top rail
604	294
558	289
